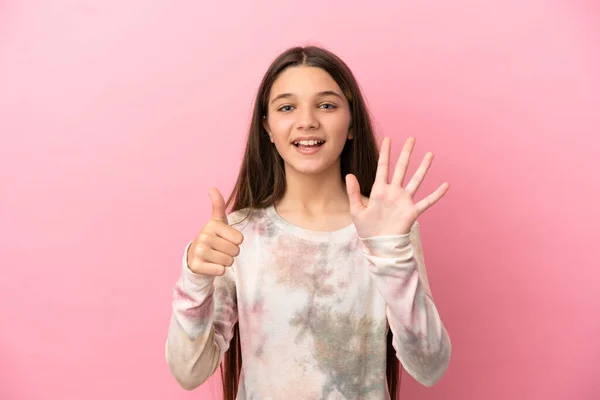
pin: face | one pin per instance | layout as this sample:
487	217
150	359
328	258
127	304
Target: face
308	119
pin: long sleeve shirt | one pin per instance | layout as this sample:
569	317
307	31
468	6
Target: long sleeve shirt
314	309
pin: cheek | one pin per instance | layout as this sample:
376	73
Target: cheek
280	128
339	127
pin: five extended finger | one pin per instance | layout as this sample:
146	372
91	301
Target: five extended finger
403	160
433	197
383	164
419	176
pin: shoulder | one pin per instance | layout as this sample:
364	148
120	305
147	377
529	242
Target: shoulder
239	218
247	219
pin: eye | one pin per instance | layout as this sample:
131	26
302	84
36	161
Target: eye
328	106
285	108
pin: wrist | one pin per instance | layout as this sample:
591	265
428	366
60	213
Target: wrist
388	246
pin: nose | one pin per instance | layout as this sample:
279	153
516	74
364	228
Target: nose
307	120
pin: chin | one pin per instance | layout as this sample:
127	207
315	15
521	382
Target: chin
310	168
309	171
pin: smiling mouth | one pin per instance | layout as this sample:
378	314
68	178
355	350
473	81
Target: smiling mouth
307	144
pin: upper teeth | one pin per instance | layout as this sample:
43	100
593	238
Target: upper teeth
308	142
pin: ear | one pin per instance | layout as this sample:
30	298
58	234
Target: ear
266	126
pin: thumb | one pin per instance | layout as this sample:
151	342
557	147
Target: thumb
218	205
354	196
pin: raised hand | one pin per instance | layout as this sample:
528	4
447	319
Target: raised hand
217	243
391	209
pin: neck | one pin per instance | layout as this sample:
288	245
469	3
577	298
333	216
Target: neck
314	193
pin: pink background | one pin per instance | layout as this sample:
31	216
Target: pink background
115	118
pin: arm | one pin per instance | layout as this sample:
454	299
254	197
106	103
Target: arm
201	326
397	268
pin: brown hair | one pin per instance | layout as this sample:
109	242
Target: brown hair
261	180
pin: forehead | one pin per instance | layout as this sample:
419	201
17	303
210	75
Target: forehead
303	81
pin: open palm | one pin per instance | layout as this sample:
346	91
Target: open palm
391	209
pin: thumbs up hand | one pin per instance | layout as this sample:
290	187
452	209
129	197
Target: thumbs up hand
217	243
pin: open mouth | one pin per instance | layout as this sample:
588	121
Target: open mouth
308	144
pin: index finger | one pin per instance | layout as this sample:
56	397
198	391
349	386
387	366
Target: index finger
383	163
227	232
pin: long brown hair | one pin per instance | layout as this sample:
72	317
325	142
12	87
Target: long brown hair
261	180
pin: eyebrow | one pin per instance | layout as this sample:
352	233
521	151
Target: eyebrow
323	93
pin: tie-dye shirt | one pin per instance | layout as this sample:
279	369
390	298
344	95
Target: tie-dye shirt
313	308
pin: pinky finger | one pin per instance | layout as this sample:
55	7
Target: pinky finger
214	269
433	197
207	269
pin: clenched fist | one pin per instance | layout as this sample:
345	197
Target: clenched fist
217	243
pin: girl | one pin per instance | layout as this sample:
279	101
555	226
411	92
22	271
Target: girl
316	279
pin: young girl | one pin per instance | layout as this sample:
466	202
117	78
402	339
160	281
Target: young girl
316	279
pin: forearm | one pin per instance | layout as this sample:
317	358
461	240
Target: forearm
420	339
194	347
191	360
421	342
